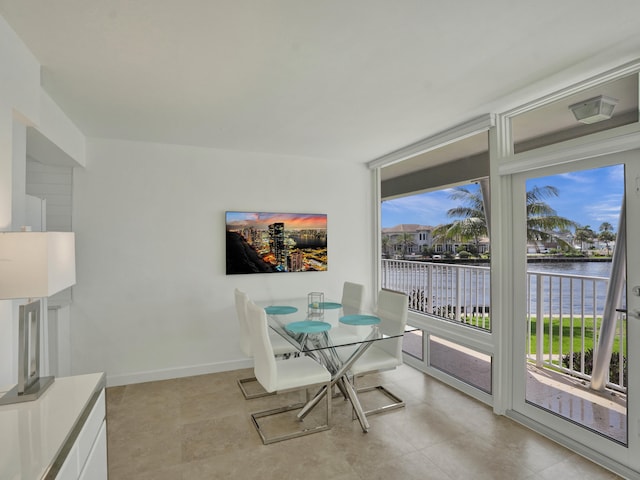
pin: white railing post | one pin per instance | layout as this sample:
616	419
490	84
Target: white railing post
458	293
429	289
539	323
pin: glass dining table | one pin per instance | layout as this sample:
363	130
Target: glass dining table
334	335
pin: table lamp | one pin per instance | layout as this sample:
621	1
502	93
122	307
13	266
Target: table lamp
33	265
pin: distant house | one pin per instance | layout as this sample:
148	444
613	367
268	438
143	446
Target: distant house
407	239
552	244
411	240
452	247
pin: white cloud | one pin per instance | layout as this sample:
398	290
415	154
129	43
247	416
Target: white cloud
606	210
577	177
425	209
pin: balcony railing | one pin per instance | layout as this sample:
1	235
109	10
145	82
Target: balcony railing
455	292
570	306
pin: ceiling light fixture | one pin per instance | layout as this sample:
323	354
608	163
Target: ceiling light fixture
594	110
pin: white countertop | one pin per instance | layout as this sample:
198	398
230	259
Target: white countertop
33	433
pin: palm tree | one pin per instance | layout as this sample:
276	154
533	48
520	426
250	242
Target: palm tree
543	223
584	235
471	226
606	234
405	240
386	243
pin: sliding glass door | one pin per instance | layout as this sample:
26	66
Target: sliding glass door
575	325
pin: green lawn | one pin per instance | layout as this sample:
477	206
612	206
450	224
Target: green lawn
567	329
581	328
566	334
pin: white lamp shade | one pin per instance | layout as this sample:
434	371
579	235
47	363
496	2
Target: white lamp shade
36	264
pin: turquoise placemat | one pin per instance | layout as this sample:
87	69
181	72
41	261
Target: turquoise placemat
359	320
327	305
308	326
280	309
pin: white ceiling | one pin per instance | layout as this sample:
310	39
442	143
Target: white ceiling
339	79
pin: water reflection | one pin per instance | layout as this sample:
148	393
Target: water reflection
587	269
560	293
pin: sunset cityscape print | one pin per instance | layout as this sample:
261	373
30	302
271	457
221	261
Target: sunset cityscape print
261	242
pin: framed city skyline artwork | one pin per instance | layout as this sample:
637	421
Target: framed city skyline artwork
263	242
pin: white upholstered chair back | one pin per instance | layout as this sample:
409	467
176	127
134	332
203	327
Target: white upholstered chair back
242	300
392	309
264	368
352	297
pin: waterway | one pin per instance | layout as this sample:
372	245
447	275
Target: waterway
586	269
587	297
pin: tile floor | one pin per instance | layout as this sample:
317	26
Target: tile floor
604	412
569	397
199	428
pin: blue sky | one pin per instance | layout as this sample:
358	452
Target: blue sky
588	197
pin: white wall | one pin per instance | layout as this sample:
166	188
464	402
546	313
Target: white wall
152	299
52	183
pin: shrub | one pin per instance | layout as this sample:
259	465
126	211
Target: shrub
417	299
614	366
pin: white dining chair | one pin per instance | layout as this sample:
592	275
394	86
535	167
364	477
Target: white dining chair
281	347
392	309
352	297
299	373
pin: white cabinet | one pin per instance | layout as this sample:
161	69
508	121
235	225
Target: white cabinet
69	469
95	467
62	435
90	440
87	458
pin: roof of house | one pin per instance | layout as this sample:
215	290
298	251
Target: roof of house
407	228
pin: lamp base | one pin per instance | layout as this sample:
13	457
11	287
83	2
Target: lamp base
30	394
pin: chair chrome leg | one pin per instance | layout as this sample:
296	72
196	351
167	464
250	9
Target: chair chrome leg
397	402
249	396
267	440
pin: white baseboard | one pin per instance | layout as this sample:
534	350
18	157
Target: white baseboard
167	374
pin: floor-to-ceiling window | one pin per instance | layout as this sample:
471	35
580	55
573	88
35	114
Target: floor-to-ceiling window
530	331
575	303
435	246
570	321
